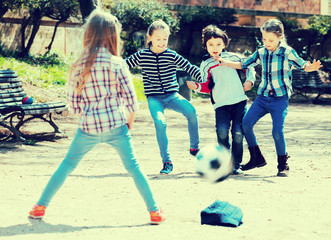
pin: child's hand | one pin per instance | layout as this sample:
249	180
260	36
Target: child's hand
248	86
130	119
191	85
310	67
221	61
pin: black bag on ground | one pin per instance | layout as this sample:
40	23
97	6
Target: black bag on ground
222	213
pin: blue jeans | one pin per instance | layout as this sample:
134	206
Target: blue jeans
83	142
157	104
277	107
224	116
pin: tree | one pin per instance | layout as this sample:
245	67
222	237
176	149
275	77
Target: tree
36	9
61	10
201	17
320	30
6	5
136	15
87	6
314	37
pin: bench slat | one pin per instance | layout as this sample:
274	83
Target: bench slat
9	80
7	75
13	90
12	85
7	72
35	106
46	110
10	100
12	95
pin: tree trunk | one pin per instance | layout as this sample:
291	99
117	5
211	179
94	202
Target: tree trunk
35	29
36	21
53	37
25	23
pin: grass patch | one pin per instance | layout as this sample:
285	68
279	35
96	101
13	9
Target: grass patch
38	72
139	87
43	76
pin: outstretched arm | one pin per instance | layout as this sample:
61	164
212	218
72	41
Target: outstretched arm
314	66
223	62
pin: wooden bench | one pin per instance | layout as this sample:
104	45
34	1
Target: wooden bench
307	83
12	108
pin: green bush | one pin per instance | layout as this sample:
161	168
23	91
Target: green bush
201	17
136	15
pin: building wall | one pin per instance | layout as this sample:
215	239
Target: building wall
326	7
294	6
67	38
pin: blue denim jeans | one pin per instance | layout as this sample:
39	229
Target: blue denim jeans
277	107
157	104
83	142
224	116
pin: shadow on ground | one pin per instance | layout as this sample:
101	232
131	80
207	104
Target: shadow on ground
37	226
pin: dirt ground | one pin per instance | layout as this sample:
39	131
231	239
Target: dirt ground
100	201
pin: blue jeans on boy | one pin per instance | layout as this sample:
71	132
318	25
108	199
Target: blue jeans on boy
224	116
157	104
83	142
277	107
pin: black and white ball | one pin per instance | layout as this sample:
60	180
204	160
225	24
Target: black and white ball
214	162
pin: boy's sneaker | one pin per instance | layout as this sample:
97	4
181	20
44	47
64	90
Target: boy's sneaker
157	217
37	212
167	168
284	172
194	151
237	171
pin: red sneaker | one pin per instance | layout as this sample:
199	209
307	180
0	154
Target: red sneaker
157	217
37	212
194	152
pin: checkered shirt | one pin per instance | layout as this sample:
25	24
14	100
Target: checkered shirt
109	91
276	69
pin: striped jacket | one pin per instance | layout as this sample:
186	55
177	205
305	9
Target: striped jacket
159	70
276	69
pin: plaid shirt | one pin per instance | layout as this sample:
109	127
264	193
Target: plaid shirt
108	92
276	69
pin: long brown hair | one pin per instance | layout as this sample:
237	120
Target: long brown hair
101	30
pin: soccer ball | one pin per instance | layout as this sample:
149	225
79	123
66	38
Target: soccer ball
214	162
